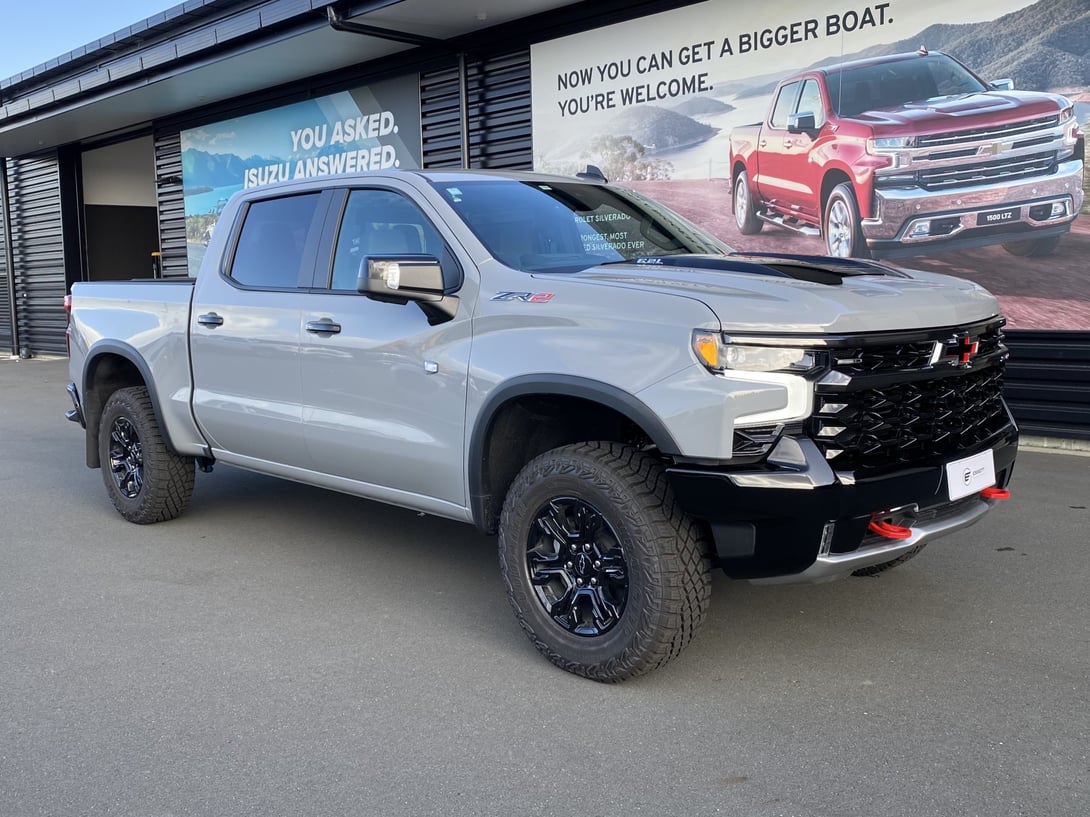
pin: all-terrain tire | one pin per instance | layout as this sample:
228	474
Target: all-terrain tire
606	575
1033	247
745	208
146	481
841	227
874	570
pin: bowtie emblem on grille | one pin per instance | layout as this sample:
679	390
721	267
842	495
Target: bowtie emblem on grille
961	350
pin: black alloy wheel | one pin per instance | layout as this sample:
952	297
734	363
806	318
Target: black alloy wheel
576	567
605	573
126	458
145	479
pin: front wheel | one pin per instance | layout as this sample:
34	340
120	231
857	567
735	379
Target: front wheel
843	234
146	481
606	575
1033	247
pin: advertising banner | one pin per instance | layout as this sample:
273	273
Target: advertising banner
372	128
941	136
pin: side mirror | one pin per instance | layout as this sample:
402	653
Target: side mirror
402	278
802	122
1005	84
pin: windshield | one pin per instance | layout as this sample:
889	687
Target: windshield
891	84
560	226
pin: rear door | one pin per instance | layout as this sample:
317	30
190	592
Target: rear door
384	390
244	333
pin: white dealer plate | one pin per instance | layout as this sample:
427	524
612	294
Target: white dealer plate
970	475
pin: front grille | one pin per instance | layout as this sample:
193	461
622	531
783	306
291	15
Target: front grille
989	133
911	401
1009	169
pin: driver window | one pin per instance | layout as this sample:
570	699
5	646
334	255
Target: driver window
810	100
785	104
379	222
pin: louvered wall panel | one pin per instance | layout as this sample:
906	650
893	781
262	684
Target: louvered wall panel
171	201
1048	383
441	118
37	242
6	344
500	112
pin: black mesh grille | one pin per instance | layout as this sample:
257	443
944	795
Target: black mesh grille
894	407
893	357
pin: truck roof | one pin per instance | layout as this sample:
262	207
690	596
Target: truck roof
882	60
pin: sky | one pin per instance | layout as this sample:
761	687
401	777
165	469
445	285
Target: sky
33	33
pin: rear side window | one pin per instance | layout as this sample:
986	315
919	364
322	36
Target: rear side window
270	247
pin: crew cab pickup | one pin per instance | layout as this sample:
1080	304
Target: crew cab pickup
907	154
567	364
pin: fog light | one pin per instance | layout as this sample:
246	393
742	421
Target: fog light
1059	208
826	539
920	229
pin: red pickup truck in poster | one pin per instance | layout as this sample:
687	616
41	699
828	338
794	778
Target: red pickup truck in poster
910	153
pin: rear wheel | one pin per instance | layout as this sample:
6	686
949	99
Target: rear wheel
146	481
745	209
1033	247
606	575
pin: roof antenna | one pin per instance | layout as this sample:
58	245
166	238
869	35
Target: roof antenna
594	173
922	50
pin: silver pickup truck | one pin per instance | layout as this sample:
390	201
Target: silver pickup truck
625	401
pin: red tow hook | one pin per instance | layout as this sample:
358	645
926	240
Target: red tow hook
889	530
995	493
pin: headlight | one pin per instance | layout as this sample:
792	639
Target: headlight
891	143
719	356
1067	114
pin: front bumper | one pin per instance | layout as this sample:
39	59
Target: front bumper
912	220
796	520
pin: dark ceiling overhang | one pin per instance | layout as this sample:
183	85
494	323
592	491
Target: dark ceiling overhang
222	50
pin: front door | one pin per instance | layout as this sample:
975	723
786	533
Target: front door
384	391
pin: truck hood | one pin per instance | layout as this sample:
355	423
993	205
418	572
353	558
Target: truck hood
963	111
796	294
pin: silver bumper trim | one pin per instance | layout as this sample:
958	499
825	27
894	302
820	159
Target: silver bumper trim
899	209
834	565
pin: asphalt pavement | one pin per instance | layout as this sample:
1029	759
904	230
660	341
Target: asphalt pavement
281	650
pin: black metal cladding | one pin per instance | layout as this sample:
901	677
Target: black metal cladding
171	201
500	112
441	118
6	337
893	407
38	244
1046	382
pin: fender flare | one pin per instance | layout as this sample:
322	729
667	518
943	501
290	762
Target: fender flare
594	391
126	352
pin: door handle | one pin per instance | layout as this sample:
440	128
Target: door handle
210	319
325	326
